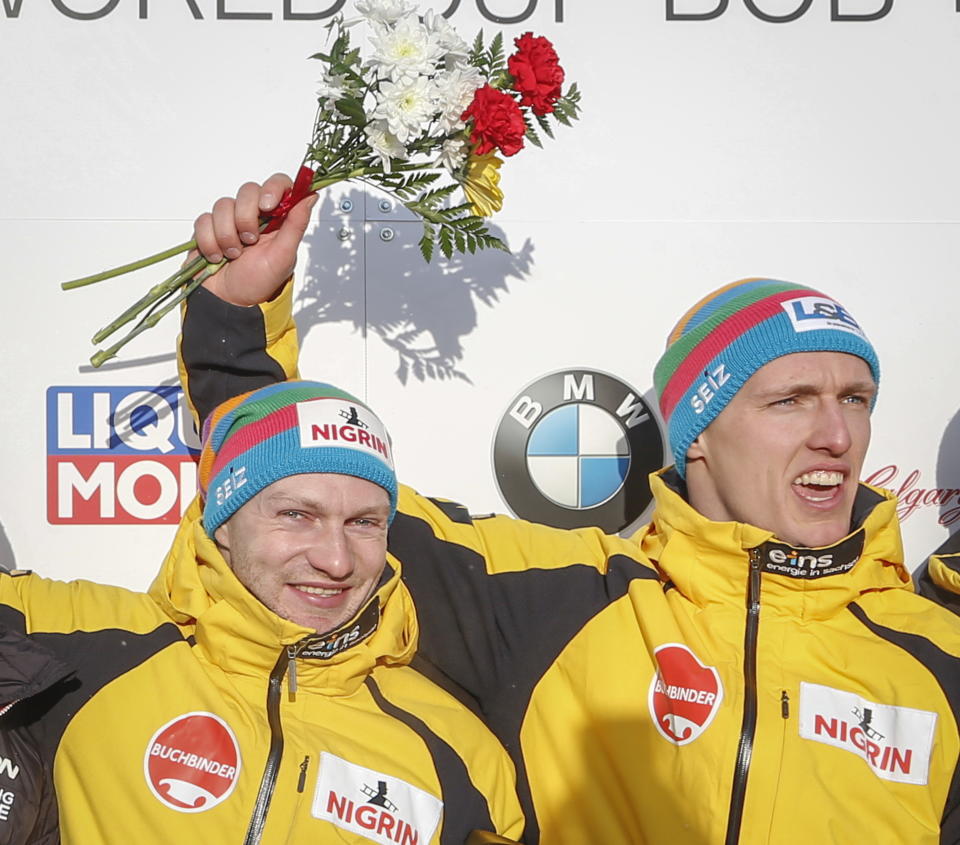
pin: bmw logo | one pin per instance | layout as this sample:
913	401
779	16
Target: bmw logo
575	448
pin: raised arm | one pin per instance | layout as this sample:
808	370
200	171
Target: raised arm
496	597
238	331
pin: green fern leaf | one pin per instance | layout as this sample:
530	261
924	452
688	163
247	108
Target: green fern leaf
545	125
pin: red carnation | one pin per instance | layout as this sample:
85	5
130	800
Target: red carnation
536	71
497	122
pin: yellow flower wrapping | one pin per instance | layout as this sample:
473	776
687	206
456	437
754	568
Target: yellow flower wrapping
482	184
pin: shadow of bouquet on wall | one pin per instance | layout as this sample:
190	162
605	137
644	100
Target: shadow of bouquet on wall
378	281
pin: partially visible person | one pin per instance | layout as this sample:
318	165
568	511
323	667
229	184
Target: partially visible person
31	679
754	667
938	577
264	690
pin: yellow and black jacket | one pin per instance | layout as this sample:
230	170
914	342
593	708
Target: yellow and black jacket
197	715
701	683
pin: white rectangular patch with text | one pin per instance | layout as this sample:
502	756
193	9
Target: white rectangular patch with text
348	425
376	806
895	742
808	313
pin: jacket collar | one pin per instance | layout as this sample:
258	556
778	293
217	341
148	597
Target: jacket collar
233	630
708	561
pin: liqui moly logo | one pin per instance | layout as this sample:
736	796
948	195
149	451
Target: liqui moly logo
895	742
347	425
192	763
684	694
374	805
119	455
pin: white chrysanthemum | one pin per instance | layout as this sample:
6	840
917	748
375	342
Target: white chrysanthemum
455	90
405	51
384	143
455	48
385	11
407	106
333	86
453	154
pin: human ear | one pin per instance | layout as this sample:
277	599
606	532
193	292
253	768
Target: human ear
222	538
696	450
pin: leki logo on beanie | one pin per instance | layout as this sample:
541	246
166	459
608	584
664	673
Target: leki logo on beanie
809	313
347	425
684	694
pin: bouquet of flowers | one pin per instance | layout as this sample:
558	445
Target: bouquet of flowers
424	116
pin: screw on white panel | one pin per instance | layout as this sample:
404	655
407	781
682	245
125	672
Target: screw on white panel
385	206
344	234
346	205
387	234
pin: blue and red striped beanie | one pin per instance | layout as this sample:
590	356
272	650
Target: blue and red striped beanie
730	334
289	428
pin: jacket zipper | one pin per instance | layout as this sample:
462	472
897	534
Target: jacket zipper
302	780
274	755
749	726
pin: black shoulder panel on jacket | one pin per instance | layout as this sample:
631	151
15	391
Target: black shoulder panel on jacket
223	349
453	511
496	635
464	807
946	669
420	664
487	632
26	666
97	658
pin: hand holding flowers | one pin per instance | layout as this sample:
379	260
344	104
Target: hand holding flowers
423	116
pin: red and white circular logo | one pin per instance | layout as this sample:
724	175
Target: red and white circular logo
193	762
684	694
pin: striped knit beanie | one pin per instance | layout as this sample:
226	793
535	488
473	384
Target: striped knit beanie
285	429
730	334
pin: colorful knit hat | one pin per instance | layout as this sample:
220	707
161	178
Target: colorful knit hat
730	334
285	429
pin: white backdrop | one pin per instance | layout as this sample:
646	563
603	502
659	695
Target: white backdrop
817	149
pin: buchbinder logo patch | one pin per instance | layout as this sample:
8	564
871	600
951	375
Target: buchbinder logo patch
684	694
193	762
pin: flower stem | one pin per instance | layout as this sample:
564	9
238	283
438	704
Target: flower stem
184	247
128	268
333	178
157	292
181	284
151	319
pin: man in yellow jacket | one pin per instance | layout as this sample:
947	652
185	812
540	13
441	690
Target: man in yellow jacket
263	691
764	673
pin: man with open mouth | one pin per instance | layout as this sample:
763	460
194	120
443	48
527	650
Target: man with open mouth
755	668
